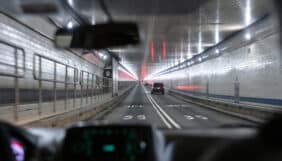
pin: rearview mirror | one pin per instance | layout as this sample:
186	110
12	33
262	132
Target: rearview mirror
98	36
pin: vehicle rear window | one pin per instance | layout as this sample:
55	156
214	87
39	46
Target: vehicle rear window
158	85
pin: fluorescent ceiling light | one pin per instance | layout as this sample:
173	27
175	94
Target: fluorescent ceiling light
70	25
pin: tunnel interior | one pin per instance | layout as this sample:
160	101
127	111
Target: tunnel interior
217	52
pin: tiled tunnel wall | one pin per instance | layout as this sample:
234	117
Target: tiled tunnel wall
248	70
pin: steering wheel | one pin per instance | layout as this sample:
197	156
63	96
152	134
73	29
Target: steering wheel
6	153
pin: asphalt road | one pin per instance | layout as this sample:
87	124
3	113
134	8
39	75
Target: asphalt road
165	111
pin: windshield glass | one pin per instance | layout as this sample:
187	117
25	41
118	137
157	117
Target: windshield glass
219	62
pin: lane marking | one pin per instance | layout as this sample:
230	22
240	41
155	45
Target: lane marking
128	117
147	92
188	117
202	117
163	115
158	112
176	105
135	106
166	115
141	117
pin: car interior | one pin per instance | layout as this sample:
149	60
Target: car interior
132	141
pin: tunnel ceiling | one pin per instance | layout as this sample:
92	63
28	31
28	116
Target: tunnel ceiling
175	30
185	27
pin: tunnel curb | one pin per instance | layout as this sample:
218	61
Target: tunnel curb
246	112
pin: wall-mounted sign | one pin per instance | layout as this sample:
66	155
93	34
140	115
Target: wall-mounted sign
108	73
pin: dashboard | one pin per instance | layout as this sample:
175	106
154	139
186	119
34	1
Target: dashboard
95	142
108	143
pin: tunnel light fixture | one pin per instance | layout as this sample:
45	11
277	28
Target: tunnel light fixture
248	13
217	51
93	20
152	47
217	34
70	25
189	48
200	45
177	75
200	34
70	2
248	36
164	49
101	54
200	59
182	51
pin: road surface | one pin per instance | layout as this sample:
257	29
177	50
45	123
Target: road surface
166	111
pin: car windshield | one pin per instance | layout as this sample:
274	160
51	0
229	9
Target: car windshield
219	62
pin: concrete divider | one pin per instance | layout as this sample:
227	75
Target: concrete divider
80	114
252	113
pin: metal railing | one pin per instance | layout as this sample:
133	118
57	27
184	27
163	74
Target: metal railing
52	87
18	51
18	71
38	76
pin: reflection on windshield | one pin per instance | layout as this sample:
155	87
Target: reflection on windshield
18	150
211	64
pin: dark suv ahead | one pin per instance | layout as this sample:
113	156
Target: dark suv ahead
158	88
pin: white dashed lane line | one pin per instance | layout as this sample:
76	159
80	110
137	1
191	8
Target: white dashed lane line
188	117
141	117
176	105
128	117
201	117
161	116
134	106
170	123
